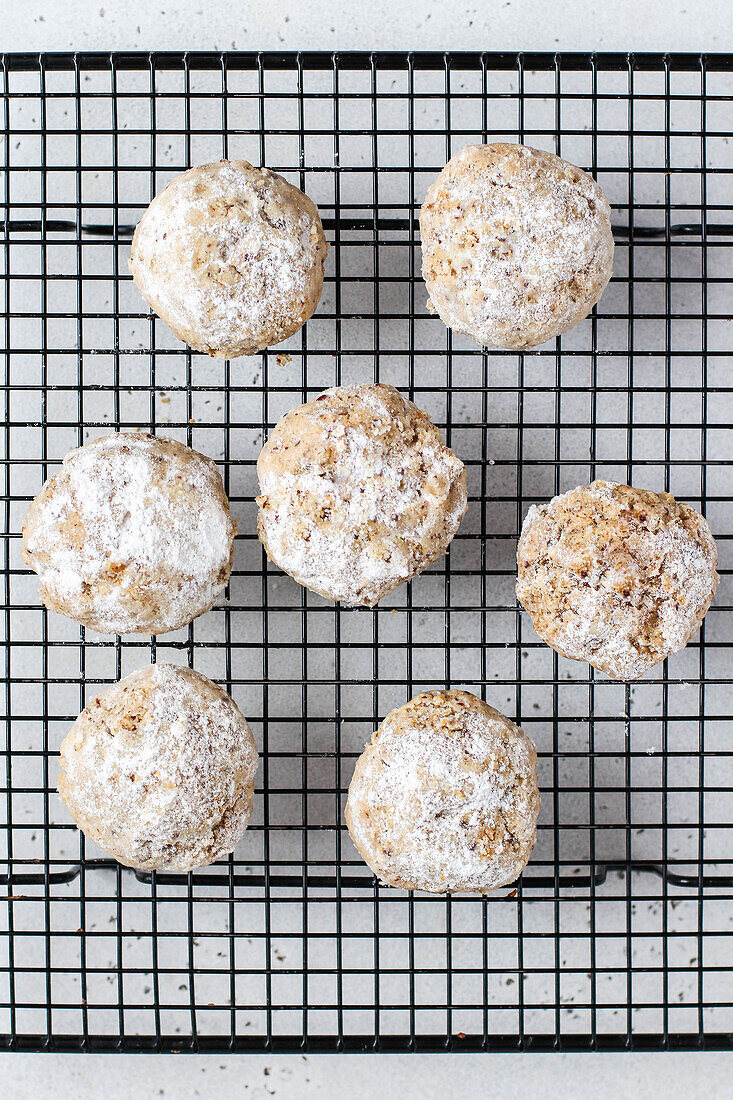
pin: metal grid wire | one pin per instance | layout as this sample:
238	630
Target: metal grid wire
619	933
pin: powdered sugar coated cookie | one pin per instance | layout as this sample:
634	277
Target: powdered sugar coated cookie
358	493
444	798
517	244
159	770
616	576
230	257
132	535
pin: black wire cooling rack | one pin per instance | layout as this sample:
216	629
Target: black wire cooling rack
619	934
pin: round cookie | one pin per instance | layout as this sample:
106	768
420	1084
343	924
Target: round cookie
517	245
616	576
358	493
230	257
444	798
159	770
132	535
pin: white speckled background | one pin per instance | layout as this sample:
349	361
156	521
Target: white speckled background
519	24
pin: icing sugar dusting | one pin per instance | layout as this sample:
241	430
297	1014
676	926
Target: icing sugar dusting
231	257
159	770
616	576
132	534
360	497
444	797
